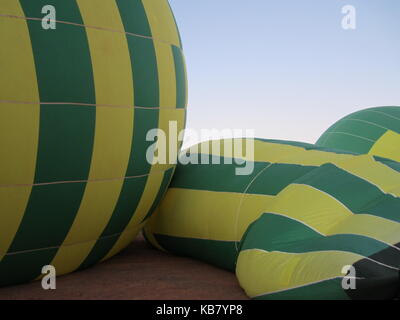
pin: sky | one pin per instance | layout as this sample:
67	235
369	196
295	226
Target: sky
286	68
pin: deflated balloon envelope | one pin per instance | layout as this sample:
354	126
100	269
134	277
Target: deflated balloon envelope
293	226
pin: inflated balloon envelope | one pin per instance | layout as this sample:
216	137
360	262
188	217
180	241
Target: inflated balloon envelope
313	214
374	131
76	103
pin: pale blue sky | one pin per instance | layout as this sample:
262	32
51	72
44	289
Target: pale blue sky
286	68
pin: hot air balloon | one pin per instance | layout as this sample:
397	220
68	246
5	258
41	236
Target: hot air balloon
76	103
295	226
374	131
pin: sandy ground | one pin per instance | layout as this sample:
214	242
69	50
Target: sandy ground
140	273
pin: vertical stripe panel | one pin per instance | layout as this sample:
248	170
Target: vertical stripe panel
19	123
134	17
162	22
166	75
156	185
181	81
113	134
146	93
64	74
160	174
158	179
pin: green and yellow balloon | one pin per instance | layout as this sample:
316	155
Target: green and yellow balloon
76	103
293	227
374	131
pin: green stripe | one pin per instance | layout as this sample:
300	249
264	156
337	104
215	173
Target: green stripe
163	188
64	11
222	254
134	17
145	73
273	232
142	53
138	165
375	116
144	121
145	78
128	201
180	73
343	141
340	184
213	177
223	178
360	128
323	140
325	290
132	189
377	282
277	177
391	111
389	163
64	73
24	267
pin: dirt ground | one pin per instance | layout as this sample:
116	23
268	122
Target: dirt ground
139	273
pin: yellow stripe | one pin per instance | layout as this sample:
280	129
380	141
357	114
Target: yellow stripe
367	168
152	185
363	166
329	216
150	237
19	123
370	226
212	215
161	21
167	85
261	272
277	153
387	146
166	74
198	214
113	134
317	209
124	240
206	214
281	153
